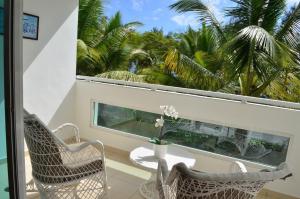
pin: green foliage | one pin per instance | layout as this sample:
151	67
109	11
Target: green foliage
193	41
255	54
154	43
158	141
122	75
191	73
204	14
157	76
102	41
268	145
257	57
90	11
290	27
191	139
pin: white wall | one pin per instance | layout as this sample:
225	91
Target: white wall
230	113
50	62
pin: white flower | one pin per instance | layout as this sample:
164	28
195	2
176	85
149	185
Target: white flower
175	115
159	122
171	108
172	112
165	110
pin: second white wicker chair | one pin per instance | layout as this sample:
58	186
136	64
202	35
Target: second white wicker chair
183	183
64	171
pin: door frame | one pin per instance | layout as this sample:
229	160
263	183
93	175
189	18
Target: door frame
13	88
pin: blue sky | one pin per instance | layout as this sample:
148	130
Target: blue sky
155	13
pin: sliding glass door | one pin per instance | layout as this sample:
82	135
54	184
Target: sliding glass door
3	153
12	183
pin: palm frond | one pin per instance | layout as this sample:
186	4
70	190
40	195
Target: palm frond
253	54
87	54
245	13
133	25
272	11
214	62
82	50
114	22
286	87
190	72
262	13
251	37
90	12
157	76
206	40
203	12
141	54
87	60
122	75
113	39
189	42
289	31
114	33
266	70
194	41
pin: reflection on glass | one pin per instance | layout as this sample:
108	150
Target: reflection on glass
239	143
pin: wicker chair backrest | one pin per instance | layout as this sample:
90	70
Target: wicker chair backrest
43	149
188	184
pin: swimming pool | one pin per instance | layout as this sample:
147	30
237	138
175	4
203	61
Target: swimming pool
3	179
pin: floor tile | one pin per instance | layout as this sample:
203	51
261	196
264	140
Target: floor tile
137	195
124	178
119	189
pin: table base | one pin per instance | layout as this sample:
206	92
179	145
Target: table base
148	189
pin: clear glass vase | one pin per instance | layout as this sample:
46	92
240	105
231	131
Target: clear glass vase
160	151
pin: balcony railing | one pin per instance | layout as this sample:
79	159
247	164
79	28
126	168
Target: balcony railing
217	128
188	91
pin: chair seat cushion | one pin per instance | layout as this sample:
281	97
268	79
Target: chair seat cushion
64	174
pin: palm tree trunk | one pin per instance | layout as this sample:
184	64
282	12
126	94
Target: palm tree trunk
249	73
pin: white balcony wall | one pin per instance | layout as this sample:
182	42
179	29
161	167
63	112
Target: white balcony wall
50	62
261	118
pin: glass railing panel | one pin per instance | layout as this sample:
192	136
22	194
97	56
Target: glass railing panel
259	147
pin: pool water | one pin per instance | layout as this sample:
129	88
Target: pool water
3	179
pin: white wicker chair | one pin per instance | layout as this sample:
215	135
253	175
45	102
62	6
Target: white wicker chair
182	183
64	171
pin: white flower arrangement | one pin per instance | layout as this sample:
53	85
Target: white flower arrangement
169	112
160	122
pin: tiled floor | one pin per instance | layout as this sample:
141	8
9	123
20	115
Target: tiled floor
124	178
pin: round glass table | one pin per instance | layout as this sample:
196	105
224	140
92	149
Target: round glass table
144	158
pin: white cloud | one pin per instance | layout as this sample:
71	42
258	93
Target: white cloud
155	18
137	4
108	7
216	7
158	10
292	2
186	20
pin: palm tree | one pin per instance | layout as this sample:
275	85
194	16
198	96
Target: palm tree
147	59
102	42
198	50
256	54
194	41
